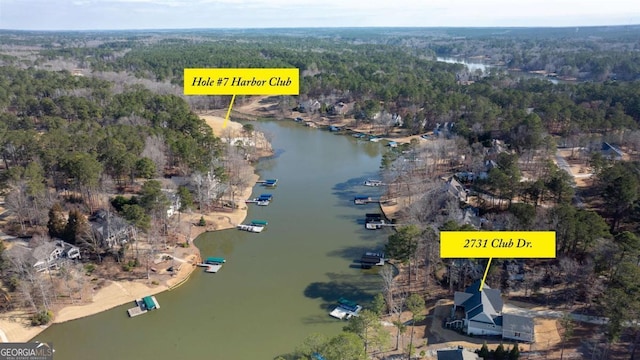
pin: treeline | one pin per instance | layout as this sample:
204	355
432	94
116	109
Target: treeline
395	72
395	78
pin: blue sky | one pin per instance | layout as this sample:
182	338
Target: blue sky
179	14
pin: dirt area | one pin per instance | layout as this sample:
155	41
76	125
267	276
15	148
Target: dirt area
578	166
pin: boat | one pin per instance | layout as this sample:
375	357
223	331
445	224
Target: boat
346	309
257	222
361	199
373	183
144	305
262	202
250	228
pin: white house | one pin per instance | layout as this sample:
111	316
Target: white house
483	315
48	255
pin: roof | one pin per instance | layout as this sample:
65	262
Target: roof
457	354
215	260
149	303
108	224
42	252
517	323
606	147
460	297
492	295
483	306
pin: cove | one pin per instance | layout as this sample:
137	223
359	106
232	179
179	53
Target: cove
278	286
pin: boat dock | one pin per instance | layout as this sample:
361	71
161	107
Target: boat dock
373	183
143	306
268	182
211	268
212	264
262	200
364	200
374	221
346	309
370	259
250	228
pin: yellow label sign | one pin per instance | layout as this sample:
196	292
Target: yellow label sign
498	244
241	81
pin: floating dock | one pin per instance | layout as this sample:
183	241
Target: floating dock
212	264
250	228
211	268
143	306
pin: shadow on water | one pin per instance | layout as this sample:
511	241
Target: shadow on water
346	191
353	252
269	162
354	287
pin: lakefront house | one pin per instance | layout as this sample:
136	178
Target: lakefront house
478	312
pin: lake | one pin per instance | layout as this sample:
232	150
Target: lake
277	286
477	65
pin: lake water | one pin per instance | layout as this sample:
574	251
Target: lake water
277	286
473	66
476	65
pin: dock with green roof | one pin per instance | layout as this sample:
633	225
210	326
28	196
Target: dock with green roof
144	305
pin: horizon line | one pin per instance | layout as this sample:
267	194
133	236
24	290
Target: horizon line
321	27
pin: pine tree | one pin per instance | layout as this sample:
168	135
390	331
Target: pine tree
500	353
76	224
514	354
57	221
484	351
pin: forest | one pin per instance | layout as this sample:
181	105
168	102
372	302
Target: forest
66	140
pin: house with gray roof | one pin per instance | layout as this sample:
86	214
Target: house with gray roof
453	187
483	315
49	255
110	229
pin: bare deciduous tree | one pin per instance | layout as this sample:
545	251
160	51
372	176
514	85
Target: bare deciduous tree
155	149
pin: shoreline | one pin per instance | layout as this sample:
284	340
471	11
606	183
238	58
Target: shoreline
15	325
